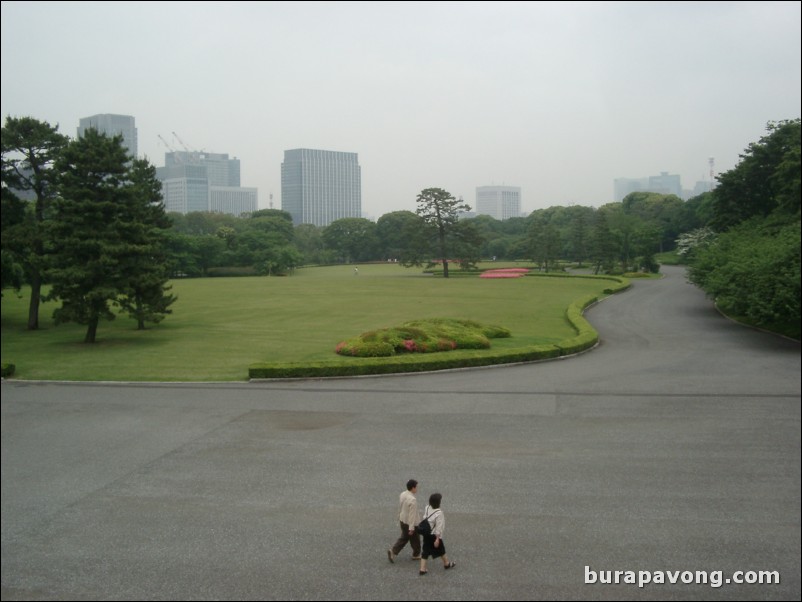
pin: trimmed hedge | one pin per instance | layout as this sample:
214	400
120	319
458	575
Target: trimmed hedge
7	370
586	338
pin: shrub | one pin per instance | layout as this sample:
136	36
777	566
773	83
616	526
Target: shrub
422	336
360	348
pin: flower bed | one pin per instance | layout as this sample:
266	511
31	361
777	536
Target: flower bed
504	273
422	336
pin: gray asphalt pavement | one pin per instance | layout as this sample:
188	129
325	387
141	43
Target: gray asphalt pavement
673	446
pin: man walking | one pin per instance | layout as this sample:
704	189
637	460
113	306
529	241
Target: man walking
408	517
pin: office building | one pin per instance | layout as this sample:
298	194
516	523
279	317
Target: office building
499	202
665	183
201	181
319	186
112	125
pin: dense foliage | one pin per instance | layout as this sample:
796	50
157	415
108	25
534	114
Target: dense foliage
751	263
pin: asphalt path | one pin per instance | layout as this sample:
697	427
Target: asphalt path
671	450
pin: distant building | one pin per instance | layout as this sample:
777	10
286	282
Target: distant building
665	183
319	186
624	186
232	200
500	202
701	187
112	125
201	181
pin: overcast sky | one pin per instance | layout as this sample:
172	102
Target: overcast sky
557	98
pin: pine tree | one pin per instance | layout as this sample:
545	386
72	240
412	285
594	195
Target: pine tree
144	232
441	210
107	235
29	149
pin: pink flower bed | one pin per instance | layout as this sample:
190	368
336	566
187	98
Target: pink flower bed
504	273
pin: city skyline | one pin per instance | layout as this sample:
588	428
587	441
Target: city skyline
222	192
560	99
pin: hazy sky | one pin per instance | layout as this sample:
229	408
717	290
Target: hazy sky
557	98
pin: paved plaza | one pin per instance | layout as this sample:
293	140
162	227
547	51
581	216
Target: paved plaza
672	447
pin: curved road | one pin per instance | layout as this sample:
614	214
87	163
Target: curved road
673	446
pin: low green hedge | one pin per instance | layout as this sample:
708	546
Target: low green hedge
399	364
586	337
7	370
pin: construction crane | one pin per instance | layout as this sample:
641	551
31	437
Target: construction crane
181	142
167	144
176	157
193	156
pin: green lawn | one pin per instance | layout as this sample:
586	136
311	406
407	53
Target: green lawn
220	326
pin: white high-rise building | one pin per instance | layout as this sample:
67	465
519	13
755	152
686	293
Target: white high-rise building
500	202
319	186
112	125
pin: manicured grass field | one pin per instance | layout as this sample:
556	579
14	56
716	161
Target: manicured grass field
219	326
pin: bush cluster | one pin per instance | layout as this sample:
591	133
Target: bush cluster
422	336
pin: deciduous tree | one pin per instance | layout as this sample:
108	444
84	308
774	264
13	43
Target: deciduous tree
767	177
352	238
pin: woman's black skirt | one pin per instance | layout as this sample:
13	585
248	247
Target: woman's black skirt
430	550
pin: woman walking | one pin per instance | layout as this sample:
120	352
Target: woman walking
433	544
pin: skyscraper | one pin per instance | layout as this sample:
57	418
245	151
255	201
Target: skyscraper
500	202
201	181
112	125
319	187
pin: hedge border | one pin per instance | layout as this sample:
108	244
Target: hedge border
586	337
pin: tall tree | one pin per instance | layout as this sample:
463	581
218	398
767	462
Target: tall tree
417	242
30	148
602	243
391	231
11	216
440	209
544	240
143	226
766	178
352	238
577	234
309	241
104	231
467	242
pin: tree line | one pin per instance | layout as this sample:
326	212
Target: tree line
95	230
617	237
